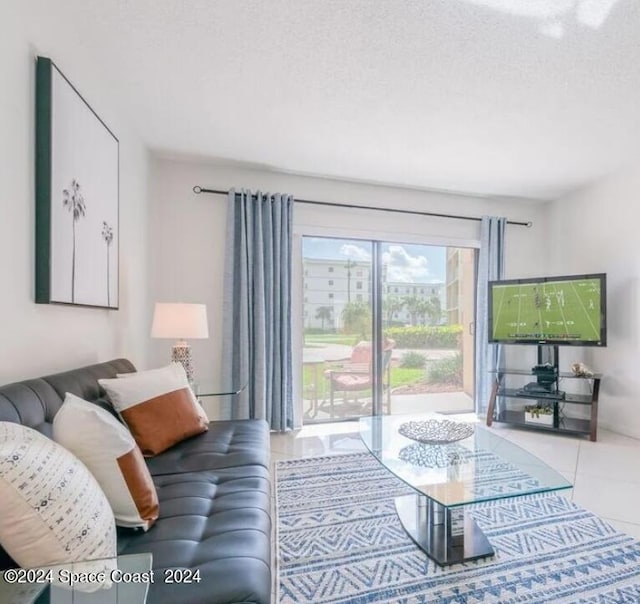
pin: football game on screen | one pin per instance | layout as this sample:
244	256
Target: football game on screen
553	311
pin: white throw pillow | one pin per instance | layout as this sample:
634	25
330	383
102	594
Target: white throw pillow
107	448
178	370
158	406
52	510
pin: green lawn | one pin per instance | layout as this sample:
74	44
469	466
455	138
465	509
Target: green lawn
314	340
402	377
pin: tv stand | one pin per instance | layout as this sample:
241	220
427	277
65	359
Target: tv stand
507	404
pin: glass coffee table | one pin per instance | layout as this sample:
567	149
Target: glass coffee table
448	477
121	580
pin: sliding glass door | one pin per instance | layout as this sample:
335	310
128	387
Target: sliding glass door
427	320
338	328
387	328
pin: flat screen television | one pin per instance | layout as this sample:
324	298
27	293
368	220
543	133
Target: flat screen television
569	310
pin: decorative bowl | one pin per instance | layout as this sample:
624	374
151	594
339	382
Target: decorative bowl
446	456
436	431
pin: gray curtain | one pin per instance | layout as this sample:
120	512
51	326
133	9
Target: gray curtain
257	307
490	267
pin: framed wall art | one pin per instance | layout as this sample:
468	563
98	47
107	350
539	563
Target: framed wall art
77	197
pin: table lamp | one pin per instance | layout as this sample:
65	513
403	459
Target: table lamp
183	322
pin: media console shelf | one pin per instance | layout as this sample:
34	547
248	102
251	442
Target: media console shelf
506	404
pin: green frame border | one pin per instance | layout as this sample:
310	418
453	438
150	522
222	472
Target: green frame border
43	180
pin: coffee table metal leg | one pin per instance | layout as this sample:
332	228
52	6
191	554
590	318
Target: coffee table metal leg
436	530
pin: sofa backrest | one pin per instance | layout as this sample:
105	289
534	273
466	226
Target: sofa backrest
35	402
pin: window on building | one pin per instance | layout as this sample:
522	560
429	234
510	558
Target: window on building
330	296
358	273
358	284
359	297
330	281
331	269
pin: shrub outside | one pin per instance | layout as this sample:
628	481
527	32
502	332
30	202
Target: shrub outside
425	337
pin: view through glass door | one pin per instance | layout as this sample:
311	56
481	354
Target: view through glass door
427	308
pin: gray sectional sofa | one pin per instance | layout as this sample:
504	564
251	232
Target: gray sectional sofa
214	493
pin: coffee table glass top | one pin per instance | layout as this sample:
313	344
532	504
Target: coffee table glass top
482	467
121	580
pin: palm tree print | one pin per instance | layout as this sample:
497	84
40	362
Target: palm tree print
73	200
107	235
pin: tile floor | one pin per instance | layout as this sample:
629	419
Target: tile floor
605	474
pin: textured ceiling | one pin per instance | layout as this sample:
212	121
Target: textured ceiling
501	97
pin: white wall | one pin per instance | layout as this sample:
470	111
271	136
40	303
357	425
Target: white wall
596	230
188	233
36	339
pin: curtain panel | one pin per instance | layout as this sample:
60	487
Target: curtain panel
490	267
257	307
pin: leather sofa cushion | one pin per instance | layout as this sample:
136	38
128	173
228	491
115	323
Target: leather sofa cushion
227	444
34	403
83	382
214	521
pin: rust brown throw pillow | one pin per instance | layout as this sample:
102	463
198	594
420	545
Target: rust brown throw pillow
158	406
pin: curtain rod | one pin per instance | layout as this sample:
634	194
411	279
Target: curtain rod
197	190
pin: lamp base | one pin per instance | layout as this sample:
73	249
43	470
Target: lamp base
181	353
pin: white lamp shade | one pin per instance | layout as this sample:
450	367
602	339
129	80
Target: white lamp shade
180	321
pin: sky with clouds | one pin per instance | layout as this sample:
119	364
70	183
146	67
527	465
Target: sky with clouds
407	263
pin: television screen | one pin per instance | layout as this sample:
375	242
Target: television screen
549	310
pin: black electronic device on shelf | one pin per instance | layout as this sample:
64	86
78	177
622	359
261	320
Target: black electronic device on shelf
544	369
542	390
546	376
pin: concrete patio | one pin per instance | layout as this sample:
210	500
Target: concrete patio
317	407
441	402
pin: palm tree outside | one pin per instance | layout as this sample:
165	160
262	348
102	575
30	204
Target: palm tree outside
415	308
73	200
421	310
434	311
107	235
349	265
356	319
391	305
324	313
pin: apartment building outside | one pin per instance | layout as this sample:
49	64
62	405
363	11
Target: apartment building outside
330	284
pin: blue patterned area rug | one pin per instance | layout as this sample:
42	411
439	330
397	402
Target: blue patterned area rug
339	541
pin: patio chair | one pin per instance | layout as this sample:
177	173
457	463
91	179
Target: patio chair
356	375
